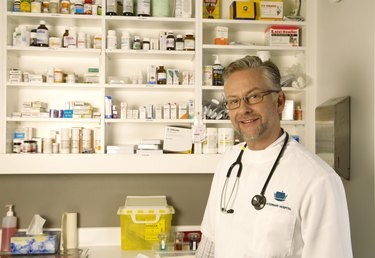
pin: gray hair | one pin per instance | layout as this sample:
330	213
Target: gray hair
271	72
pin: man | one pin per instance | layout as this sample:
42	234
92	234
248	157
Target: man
285	202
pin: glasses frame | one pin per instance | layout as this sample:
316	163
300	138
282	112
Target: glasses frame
246	98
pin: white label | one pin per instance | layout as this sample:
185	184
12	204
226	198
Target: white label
143	7
42	36
189	44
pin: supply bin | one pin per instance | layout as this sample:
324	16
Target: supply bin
142	219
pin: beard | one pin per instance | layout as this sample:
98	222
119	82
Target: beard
250	137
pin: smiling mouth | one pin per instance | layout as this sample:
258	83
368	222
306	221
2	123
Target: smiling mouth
249	121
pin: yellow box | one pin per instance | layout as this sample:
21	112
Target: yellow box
240	10
140	226
211	9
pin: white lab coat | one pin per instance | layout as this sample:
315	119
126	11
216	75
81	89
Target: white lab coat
310	222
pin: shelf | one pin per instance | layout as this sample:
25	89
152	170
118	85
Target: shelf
150	54
161	87
57	120
156	121
246	25
55	86
108	164
283	122
247	49
56	52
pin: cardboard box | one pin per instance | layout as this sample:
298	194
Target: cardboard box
211	9
270	10
281	35
241	10
177	139
47	243
221	35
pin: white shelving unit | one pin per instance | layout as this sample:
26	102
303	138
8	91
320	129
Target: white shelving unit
126	63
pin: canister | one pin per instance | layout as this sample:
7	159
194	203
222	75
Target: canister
225	139
58	76
210	143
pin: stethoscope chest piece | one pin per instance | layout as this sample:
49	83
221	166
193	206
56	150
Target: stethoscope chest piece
259	201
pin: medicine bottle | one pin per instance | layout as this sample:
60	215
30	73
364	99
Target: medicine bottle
33	41
210	143
81	40
225	139
65	7
87	7
36	7
42	35
189	41
137	43
146	44
125	40
111	40
144	8
170	41
16	6
111	7
45	6
298	113
161	75
54	6
128	8
98	41
65	37
179	43
78	7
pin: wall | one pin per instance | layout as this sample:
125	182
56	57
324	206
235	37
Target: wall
97	197
345	48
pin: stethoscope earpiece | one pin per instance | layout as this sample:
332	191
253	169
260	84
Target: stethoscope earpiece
259	201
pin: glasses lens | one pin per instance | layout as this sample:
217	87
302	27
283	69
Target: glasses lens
232	103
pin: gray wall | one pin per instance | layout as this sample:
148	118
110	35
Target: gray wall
97	197
346	67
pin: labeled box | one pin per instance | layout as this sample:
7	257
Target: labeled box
177	139
47	243
211	9
242	10
270	10
283	35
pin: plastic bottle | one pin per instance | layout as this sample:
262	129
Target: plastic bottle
217	73
125	40
42	35
111	40
189	41
144	7
111	7
9	228
128	8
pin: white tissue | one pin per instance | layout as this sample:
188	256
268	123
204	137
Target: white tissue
36	225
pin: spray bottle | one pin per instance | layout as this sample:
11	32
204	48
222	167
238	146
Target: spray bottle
217	73
9	228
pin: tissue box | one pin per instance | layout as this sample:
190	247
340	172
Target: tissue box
47	243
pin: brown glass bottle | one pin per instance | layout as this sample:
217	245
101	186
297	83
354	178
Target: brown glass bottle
65	38
161	75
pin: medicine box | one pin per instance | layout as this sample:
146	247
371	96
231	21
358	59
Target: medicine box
270	10
211	9
177	139
47	243
242	10
282	35
221	35
142	219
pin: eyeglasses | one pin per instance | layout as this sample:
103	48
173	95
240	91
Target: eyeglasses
251	99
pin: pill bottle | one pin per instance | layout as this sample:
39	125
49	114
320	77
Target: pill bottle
125	40
65	7
65	37
42	35
16	6
146	44
189	41
45	6
137	43
87	7
179	43
98	41
225	139
210	143
161	75
16	147
36	7
78	7
170	41
58	76
54	6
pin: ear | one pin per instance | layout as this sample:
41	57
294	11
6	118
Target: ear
280	102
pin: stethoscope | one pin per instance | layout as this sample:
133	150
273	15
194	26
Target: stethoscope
259	200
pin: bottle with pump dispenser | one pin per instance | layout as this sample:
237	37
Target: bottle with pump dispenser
217	72
9	228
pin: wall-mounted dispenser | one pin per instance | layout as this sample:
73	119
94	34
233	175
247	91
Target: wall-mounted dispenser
332	134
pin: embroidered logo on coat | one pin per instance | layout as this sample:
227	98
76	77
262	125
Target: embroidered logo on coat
280	196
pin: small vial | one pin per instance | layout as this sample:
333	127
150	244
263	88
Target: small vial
163	241
146	44
179	241
193	241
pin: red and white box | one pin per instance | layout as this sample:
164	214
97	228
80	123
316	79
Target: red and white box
283	35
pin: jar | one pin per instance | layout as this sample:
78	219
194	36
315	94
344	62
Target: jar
210	143
29	146
137	43
170	41
189	41
146	44
98	41
16	147
65	7
179	43
36	7
125	40
45	7
54	6
58	76
225	139
78	6
87	7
